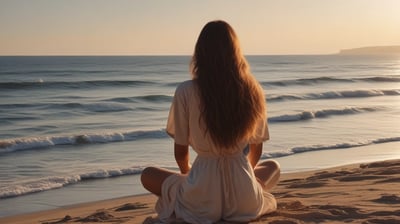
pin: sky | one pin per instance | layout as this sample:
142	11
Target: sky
171	27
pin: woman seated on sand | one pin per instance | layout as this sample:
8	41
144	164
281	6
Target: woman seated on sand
218	113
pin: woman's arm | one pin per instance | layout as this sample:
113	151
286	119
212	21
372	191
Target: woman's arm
254	155
182	157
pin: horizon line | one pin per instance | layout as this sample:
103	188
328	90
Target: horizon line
143	55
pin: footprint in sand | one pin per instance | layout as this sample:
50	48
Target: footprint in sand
388	199
97	217
131	206
359	178
307	184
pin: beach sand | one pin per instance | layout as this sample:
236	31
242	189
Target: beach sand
359	193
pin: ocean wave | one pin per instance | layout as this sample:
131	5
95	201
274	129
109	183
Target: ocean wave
381	79
155	98
91	107
40	84
352	94
312	148
55	182
27	143
308	81
308	115
146	98
109	105
336	95
62	72
19	144
325	79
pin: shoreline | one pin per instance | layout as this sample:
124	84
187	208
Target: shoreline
359	192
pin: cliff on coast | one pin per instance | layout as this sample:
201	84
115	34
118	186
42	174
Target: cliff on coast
374	50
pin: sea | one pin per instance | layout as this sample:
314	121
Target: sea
75	129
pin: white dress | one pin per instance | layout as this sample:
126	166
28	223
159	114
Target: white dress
218	187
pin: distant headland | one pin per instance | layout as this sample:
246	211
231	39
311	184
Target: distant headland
374	50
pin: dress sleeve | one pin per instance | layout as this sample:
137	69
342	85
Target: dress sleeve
261	134
178	119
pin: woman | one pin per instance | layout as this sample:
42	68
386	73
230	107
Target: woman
218	113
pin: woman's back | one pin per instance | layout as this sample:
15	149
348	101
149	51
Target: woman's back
185	113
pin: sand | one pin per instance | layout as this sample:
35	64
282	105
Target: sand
360	193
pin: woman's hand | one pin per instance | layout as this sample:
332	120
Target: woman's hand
182	157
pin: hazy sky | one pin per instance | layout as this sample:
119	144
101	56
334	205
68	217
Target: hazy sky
146	27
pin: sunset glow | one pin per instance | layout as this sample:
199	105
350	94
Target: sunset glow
122	27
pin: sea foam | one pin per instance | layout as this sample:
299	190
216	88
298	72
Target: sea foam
307	115
49	183
326	79
12	145
344	145
335	95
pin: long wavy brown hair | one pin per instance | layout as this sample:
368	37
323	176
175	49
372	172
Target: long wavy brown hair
231	100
